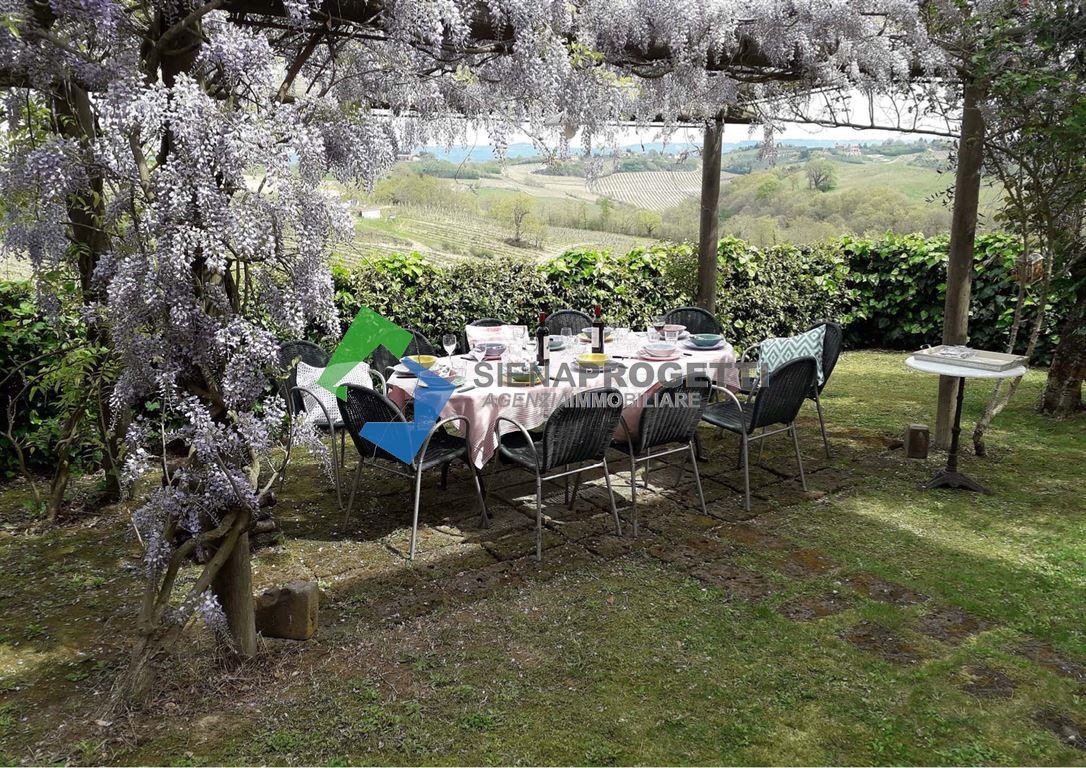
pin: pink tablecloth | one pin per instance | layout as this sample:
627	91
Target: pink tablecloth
483	405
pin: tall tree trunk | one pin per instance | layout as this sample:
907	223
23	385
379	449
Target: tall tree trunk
1062	394
963	229
709	236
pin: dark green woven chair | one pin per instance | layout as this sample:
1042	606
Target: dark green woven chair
364	405
578	432
776	402
668	424
696	320
567	318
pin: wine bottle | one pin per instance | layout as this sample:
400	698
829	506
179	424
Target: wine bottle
597	332
542	342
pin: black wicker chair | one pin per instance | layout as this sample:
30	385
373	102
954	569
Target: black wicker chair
776	401
579	431
567	318
482	322
831	352
439	450
384	360
289	354
670	418
302	400
696	320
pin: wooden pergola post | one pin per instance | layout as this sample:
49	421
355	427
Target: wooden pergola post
709	229
963	230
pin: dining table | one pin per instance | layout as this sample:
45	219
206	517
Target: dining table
484	393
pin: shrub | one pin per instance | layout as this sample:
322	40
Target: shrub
899	284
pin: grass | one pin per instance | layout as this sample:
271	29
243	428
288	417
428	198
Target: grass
865	621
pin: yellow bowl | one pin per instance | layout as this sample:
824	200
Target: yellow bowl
426	361
593	359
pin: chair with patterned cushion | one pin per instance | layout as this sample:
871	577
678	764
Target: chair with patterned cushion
362	406
577	432
567	318
320	409
667	425
384	360
776	401
290	354
822	341
696	320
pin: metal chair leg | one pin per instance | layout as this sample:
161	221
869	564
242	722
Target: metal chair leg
576	488
477	475
633	491
697	477
415	515
761	444
335	470
799	456
611	494
565	485
539	517
822	425
745	456
699	449
354	490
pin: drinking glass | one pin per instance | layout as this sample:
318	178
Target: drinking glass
449	342
672	336
658	324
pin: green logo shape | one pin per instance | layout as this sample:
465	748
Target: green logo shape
368	331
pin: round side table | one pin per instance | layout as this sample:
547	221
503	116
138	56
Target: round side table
950	477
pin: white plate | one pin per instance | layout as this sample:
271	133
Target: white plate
696	348
654	359
402	370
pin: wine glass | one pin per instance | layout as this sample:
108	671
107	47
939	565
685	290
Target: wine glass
449	342
658	324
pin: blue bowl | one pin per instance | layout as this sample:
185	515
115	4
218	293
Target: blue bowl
706	339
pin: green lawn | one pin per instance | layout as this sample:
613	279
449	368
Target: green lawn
865	621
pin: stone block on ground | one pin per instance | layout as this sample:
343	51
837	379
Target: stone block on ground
289	612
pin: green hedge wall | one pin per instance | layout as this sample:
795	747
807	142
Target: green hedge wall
888	292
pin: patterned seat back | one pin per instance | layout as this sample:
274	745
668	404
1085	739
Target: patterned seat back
290	353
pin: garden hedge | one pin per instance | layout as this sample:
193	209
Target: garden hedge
888	292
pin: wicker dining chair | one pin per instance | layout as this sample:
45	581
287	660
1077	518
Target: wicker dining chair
831	352
364	405
696	320
482	322
668	421
578	432
290	353
384	360
567	318
776	401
